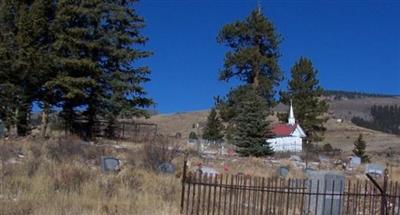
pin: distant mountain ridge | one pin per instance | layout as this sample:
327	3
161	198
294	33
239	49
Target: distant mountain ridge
343	94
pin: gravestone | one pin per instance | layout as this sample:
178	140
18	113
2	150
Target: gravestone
330	184
283	171
375	169
109	164
166	167
355	161
208	170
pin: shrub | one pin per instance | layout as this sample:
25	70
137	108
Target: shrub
64	147
162	149
109	186
7	151
23	207
70	178
327	147
193	136
36	150
70	147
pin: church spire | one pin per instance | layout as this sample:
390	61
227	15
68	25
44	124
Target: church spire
291	119
259	7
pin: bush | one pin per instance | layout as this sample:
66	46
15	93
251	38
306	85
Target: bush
327	147
64	147
70	178
71	147
193	136
36	150
162	149
23	207
8	151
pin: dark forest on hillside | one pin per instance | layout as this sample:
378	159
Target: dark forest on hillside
340	94
384	118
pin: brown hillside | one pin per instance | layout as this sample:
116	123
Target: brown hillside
339	135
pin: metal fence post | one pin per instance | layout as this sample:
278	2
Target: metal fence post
183	183
384	191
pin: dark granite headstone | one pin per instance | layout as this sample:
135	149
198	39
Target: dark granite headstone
109	163
167	168
283	171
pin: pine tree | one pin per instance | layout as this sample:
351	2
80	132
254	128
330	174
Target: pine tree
359	149
192	135
96	48
43	12
24	45
127	96
77	44
250	127
253	55
8	45
306	94
214	128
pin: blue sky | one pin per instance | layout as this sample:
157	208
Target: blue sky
355	45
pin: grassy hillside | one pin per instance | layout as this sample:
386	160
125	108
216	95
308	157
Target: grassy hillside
339	135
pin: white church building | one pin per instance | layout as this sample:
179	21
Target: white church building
287	137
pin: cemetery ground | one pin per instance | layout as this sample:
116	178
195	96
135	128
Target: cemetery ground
62	175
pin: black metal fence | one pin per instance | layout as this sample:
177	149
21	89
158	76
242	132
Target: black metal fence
239	194
121	130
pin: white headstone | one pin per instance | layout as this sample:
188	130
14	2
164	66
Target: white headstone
355	161
375	169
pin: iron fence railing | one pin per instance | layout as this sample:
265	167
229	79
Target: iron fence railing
240	194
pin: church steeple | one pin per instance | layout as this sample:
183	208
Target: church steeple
291	119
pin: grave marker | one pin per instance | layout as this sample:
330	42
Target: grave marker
167	168
330	183
283	171
109	163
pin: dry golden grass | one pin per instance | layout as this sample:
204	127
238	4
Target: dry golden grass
75	187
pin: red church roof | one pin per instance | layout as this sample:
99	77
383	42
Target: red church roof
282	130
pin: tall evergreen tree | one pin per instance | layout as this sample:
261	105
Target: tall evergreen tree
43	12
8	45
96	48
76	50
24	44
254	53
214	128
122	49
78	55
359	149
250	126
306	94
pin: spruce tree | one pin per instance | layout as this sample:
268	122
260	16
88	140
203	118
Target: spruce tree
359	149
123	49
192	135
8	45
96	47
253	55
214	128
306	95
250	126
24	57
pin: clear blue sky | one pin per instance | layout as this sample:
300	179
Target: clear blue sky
355	45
